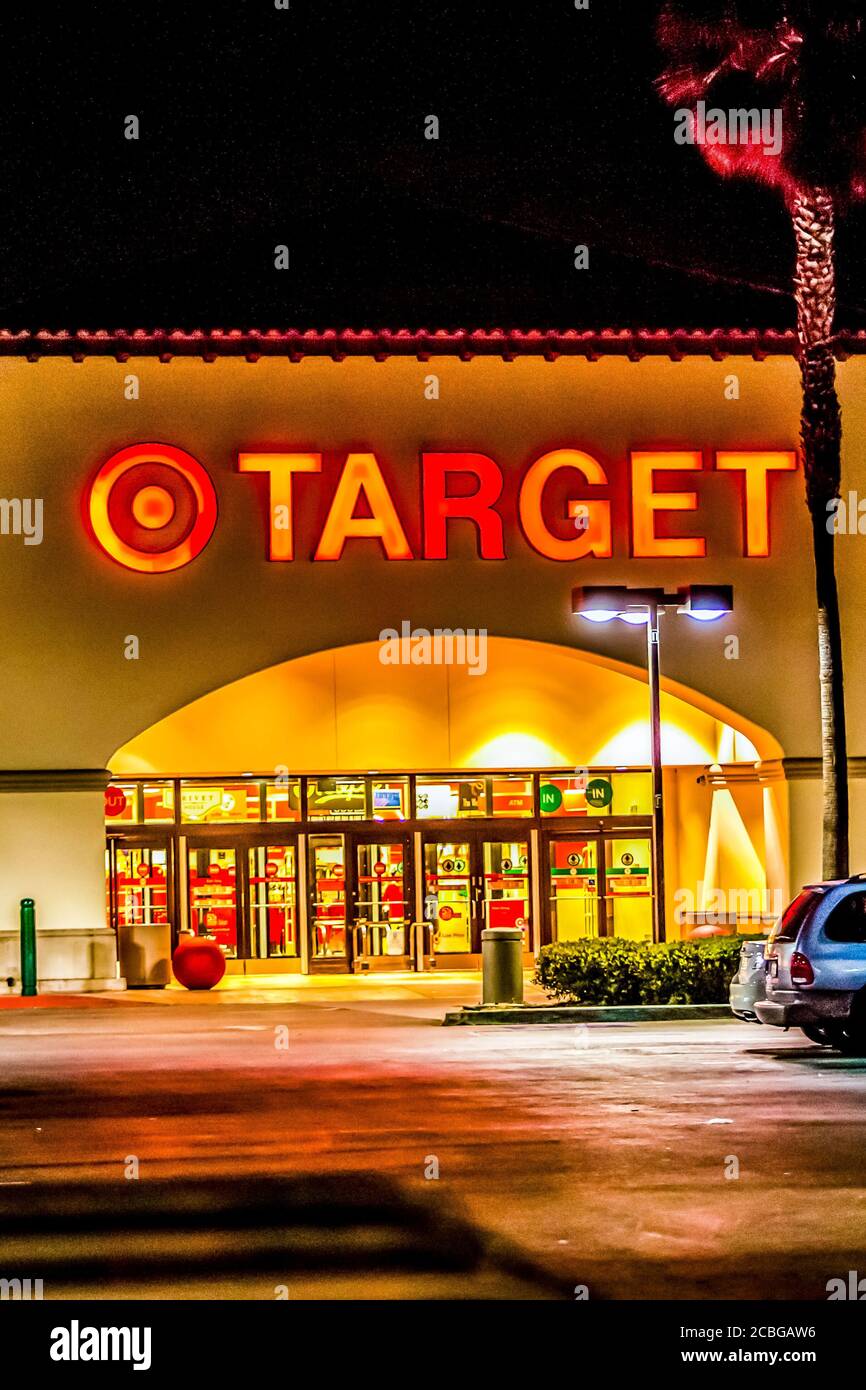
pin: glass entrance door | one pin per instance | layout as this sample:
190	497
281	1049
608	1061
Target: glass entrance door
573	888
382	901
628	886
505	878
245	896
213	894
599	885
140	908
140	886
449	895
272	901
328	921
473	883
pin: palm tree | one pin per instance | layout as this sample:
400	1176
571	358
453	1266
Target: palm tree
804	60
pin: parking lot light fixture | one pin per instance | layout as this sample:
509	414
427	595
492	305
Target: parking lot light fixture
703	602
706	603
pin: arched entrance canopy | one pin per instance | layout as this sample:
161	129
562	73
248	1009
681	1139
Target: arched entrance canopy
535	704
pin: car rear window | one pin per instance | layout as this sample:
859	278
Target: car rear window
796	914
847	921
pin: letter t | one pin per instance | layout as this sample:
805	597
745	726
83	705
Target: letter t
280	468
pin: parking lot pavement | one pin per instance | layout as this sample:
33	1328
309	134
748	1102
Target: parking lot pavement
640	1160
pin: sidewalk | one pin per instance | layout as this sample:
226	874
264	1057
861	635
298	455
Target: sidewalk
60	1001
461	985
456	987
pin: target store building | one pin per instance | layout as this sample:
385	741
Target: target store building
289	655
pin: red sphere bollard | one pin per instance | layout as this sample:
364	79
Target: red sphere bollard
198	962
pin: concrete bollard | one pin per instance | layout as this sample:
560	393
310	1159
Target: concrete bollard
502	965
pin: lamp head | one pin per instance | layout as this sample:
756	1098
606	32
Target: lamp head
707	602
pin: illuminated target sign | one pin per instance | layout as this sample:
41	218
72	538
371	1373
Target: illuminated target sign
152	507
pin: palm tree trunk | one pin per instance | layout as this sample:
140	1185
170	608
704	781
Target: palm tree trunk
821	438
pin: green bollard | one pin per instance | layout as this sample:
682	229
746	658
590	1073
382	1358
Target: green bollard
28	947
502	965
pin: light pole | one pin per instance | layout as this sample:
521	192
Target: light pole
601	603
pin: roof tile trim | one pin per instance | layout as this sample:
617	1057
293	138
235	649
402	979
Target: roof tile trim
422	343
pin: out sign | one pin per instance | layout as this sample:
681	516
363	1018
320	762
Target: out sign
115	802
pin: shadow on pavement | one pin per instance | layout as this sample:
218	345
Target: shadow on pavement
810	1052
351	1236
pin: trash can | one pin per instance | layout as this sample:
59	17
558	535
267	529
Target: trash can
502	965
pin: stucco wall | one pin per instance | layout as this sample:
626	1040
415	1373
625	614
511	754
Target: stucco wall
69	698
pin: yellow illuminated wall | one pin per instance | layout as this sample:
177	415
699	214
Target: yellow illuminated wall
728	849
536	705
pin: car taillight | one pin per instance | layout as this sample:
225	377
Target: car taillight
801	970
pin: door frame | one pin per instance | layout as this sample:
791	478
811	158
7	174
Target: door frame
475	835
629	833
396	836
601	835
144	838
579	831
328	965
152	838
241	838
255	841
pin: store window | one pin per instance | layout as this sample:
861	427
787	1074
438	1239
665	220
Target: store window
336	798
596	794
220	803
632	794
157	802
283	799
139	803
391	798
512	796
438	798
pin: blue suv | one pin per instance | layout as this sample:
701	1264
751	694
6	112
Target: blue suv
816	966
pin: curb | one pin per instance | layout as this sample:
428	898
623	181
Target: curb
54	1001
476	1014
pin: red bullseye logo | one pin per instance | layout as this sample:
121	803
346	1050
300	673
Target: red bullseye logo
152	507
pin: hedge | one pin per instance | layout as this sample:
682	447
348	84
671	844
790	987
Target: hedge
610	970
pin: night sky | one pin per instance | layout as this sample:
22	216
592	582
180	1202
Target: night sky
261	126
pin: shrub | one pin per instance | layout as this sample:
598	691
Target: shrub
593	971
609	970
